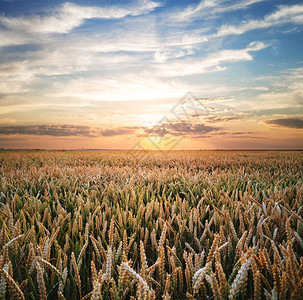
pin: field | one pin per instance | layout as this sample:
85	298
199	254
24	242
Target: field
180	225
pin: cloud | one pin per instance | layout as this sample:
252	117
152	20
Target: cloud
121	131
284	95
70	16
202	128
179	128
233	134
51	130
288	123
193	11
20	30
66	130
218	119
209	7
14	77
212	63
138	86
285	14
236	5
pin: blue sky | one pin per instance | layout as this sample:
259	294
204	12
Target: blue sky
103	74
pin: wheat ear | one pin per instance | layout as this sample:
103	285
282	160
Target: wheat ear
78	280
240	280
41	283
11	282
199	277
50	266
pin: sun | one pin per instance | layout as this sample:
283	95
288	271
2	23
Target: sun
149	120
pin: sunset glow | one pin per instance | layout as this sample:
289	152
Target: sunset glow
206	74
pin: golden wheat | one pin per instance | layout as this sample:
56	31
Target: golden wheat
183	224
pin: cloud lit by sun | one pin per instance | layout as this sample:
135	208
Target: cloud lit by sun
105	74
149	120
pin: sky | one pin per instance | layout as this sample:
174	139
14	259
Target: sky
149	74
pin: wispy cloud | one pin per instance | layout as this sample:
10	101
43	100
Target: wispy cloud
139	87
70	16
20	30
192	11
212	63
285	14
210	7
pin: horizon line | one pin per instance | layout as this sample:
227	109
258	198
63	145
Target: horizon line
154	150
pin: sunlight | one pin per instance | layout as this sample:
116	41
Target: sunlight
149	120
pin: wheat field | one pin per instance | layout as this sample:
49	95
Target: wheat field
178	225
